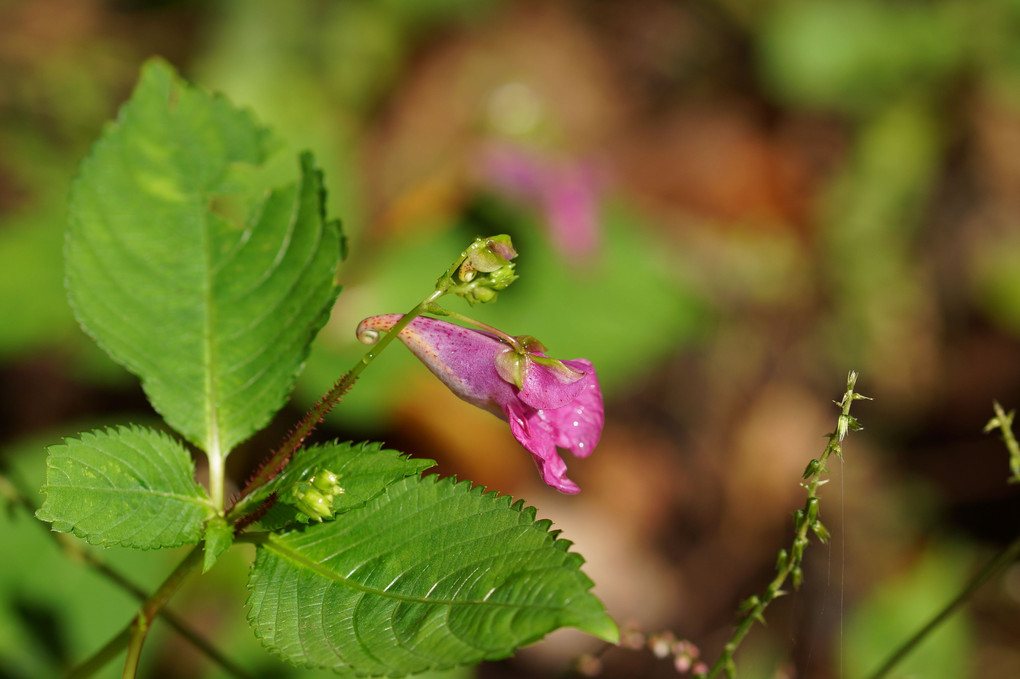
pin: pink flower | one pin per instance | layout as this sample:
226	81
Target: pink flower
566	192
548	403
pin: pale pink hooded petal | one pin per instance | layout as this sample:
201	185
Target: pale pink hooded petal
555	407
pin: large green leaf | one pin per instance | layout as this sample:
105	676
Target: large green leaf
126	486
365	469
186	270
428	575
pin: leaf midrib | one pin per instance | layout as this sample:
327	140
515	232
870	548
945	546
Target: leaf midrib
298	559
106	489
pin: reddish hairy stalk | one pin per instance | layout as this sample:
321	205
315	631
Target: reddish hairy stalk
260	511
276	462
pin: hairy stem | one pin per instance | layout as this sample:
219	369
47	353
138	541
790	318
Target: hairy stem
805	522
306	425
275	463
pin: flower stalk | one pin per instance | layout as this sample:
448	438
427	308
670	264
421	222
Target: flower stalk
1003	421
806	522
478	273
1000	562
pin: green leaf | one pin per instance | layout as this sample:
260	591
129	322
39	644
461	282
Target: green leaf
187	271
126	486
365	469
428	575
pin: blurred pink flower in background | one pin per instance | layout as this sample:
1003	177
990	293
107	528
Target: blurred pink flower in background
566	192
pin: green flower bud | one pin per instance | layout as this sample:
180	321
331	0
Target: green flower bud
486	269
311	502
812	508
327	482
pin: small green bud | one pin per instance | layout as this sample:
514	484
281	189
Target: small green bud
327	482
480	293
811	469
486	269
782	559
798	549
843	425
819	529
812	508
311	501
797	576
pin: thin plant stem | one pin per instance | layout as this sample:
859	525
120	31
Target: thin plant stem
999	563
805	521
278	460
100	658
16	496
1004	422
439	311
275	463
139	628
133	636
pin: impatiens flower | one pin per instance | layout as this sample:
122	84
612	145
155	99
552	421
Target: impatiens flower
548	403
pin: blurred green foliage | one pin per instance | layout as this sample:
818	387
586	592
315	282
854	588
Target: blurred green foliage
909	222
904	604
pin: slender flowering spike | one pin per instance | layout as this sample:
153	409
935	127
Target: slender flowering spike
548	403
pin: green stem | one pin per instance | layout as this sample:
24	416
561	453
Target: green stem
279	458
789	562
1004	422
13	493
1001	561
440	311
154	604
133	636
100	658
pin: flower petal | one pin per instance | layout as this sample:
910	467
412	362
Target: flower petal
547	387
537	437
578	425
461	358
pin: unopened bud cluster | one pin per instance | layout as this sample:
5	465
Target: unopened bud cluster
486	269
314	497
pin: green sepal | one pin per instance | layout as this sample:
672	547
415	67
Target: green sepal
513	366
